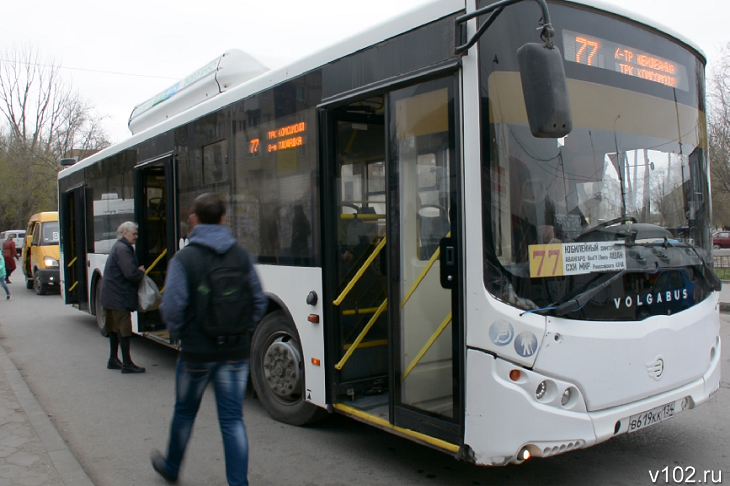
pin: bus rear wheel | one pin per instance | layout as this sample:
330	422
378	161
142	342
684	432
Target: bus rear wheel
277	371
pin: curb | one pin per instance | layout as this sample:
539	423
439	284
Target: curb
63	460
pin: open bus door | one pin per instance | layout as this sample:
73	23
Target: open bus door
155	213
73	245
396	340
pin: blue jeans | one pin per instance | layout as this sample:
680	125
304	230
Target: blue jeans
229	381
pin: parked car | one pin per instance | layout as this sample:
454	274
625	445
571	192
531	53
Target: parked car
41	253
18	238
721	239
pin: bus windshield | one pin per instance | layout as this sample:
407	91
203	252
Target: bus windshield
625	194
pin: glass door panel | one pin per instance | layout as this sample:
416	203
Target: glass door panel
422	151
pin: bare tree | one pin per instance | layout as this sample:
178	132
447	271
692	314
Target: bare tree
42	119
719	138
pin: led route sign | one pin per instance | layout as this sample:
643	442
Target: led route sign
600	53
282	138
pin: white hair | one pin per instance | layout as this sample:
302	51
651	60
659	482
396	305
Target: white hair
125	228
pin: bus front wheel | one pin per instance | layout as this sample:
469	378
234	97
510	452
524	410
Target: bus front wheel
277	371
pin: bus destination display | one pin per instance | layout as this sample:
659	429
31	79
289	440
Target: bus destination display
600	53
282	138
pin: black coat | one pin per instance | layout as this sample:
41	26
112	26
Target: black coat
121	278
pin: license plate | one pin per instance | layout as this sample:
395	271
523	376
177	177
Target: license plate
651	417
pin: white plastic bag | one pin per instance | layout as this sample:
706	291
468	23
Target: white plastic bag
149	295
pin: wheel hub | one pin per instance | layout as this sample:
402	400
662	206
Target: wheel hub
282	368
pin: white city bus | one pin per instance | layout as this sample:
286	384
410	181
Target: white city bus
433	268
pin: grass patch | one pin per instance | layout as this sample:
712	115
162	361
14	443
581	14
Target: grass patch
723	273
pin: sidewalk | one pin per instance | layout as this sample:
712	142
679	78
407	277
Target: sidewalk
32	452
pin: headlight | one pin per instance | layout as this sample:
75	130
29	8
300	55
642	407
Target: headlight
565	398
541	390
50	262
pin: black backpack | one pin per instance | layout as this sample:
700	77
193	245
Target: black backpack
220	294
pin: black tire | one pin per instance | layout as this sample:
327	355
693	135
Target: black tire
29	282
40	288
277	371
99	310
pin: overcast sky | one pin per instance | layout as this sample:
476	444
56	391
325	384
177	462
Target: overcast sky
119	54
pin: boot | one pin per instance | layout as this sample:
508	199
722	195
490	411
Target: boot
113	363
128	366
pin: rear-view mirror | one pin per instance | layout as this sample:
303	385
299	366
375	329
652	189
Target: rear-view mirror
545	90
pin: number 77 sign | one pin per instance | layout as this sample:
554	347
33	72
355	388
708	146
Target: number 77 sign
546	260
560	259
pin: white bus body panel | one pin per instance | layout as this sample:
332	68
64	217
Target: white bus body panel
613	363
504	416
292	285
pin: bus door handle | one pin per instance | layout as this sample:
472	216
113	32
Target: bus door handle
448	262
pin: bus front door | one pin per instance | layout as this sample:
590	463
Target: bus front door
398	336
155	208
73	244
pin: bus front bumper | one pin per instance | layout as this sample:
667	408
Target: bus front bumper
505	419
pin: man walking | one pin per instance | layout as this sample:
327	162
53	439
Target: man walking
214	328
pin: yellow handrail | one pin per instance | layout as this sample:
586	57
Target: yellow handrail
156	261
362	216
357	341
73	286
427	346
369	344
359	273
425	270
72	262
357	312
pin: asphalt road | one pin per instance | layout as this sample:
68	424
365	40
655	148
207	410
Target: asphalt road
112	421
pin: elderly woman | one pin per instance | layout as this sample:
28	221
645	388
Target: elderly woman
122	275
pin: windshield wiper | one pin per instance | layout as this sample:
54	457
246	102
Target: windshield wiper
707	271
709	275
577	302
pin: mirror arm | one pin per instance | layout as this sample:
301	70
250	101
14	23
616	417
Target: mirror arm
546	28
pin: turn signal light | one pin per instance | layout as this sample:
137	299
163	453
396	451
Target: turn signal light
514	375
315	362
313	318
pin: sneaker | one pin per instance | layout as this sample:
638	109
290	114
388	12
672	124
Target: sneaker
114	364
132	368
160	465
8	297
